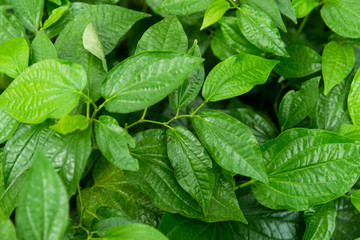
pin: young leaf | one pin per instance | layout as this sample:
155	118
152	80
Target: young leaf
166	35
192	165
338	61
145	79
189	90
296	106
330	159
230	143
354	99
287	9
10	27
92	43
215	12
235	76
29	13
178	7
113	142
14	57
270	8
260	30
42	48
48	89
303	7
43	207
320	221
303	61
8	126
70	123
342	16
135	231
56	14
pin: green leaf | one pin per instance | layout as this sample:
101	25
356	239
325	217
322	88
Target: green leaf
57	2
29	13
71	123
320	221
354	99
304	7
296	106
215	12
178	7
219	47
156	178
113	142
270	8
192	165
189	90
306	168
355	199
112	189
145	79
48	89
234	38
56	14
235	76
342	16
262	128
14	57
260	30
287	9
42	48
7	228
92	43
45	190
230	143
8	126
338	61
134	231
166	35
303	61
350	131
10	27
106	19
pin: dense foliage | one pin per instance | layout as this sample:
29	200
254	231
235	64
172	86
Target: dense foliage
180	120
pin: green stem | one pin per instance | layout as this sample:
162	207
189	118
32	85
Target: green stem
81	205
196	110
97	109
234	5
302	25
89	100
245	184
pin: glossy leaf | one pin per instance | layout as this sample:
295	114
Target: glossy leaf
56	14
338	61
260	30
306	168
133	231
178	7
70	123
189	90
166	35
42	48
303	61
145	79
14	57
113	142
320	221
270	8
215	12
92	43
29	13
235	76
230	143
48	89
303	7
287	9
8	126
342	16
350	131
45	190
355	199
10	27
296	106
354	100
192	165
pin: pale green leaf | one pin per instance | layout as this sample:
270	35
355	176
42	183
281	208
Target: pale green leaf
48	89
134	231
42	48
302	62
214	13
14	57
260	30
230	143
7	229
354	99
113	142
192	165
350	131
43	207
166	35
306	168
145	79
236	75
8	126
304	7
29	13
56	14
178	7
70	123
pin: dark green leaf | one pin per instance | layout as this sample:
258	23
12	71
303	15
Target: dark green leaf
29	13
178	7
14	57
219	47
70	123
230	143
134	231
42	48
214	13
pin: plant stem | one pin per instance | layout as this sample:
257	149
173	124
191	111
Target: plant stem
196	110
81	205
89	100
245	184
302	25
